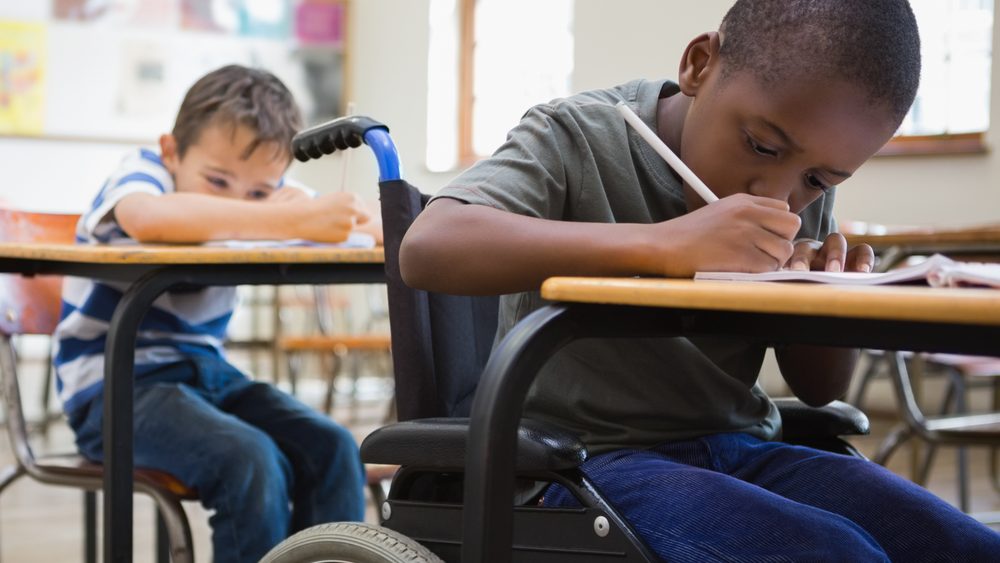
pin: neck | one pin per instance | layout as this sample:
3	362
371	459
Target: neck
670	116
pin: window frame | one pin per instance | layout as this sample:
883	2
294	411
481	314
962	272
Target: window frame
943	144
466	82
971	143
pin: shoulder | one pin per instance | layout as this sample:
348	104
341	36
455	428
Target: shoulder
141	158
591	118
142	165
591	107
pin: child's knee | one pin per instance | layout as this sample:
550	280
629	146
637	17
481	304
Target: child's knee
336	444
254	460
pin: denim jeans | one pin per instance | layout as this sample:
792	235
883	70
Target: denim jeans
265	463
733	497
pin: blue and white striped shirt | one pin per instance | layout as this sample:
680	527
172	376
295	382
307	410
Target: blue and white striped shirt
181	324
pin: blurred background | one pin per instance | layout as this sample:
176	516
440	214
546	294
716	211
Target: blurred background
83	81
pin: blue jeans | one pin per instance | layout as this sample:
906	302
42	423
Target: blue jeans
265	463
733	497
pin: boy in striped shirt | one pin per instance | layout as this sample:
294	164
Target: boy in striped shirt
266	464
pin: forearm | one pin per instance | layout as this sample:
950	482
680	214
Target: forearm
195	218
460	248
817	374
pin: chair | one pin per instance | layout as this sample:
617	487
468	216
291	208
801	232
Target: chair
345	346
31	306
952	430
440	345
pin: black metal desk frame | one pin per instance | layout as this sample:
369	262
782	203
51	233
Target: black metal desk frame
497	408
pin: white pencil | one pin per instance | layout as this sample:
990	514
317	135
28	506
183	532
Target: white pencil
664	151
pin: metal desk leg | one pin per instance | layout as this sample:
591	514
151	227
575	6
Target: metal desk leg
119	364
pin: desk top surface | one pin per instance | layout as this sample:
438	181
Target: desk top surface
971	236
184	254
894	303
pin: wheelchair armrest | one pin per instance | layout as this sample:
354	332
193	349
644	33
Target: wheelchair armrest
802	422
440	443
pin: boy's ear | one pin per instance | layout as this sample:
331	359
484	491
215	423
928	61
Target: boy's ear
700	59
168	152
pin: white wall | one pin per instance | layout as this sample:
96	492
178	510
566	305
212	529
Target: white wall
388	82
615	42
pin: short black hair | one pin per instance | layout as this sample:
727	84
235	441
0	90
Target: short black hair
874	44
237	95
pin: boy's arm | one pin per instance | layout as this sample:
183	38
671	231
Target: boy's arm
196	218
459	248
819	374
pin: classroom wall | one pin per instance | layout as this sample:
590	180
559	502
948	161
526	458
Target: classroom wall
638	38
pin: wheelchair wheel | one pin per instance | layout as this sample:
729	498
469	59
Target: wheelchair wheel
349	542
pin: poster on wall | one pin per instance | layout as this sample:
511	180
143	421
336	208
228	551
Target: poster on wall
145	13
116	70
22	78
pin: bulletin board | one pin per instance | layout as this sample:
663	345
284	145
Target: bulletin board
116	70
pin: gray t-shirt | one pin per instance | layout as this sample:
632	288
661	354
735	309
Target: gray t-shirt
575	159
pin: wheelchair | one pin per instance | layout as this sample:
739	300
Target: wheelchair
471	469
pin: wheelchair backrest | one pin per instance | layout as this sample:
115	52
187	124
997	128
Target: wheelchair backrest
440	343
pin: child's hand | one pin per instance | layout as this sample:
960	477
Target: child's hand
329	217
741	233
288	193
831	256
372	227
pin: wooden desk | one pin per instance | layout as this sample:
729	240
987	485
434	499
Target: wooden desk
896	244
150	271
893	318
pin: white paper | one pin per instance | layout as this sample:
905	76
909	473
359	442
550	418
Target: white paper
938	271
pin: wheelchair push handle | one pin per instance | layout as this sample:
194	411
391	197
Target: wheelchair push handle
346	133
340	134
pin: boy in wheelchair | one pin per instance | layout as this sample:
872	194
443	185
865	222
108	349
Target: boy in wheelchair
773	111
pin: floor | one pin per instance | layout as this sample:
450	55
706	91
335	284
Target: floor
27	507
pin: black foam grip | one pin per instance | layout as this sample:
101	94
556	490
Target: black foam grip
340	134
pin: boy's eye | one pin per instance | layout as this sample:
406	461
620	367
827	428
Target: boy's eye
258	194
815	183
217	182
759	148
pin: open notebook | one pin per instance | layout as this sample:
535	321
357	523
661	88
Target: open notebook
354	240
937	271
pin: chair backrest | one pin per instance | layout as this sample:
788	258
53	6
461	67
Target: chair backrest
27	306
31	305
440	343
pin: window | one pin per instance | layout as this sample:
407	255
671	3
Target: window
952	108
489	61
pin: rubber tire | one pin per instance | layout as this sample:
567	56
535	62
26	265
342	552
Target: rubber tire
349	542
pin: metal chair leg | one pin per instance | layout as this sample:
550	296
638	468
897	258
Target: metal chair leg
888	446
90	526
175	528
962	453
858	396
925	466
162	542
332	371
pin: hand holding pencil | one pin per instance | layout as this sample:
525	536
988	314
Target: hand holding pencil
743	233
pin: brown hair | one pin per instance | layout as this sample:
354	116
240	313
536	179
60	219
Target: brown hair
236	95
